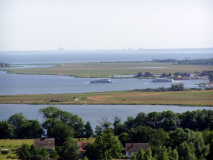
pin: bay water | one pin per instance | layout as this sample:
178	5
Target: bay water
13	84
91	113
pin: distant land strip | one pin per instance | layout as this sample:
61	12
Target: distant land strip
179	98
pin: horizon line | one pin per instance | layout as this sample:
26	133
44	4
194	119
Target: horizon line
124	49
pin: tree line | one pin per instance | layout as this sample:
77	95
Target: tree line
196	62
187	135
186	61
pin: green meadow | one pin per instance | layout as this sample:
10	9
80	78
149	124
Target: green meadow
12	144
181	98
98	69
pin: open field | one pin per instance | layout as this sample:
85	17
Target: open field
110	69
182	98
13	144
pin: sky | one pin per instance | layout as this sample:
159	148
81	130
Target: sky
105	24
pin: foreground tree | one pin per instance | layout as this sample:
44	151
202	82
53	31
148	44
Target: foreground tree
31	129
61	132
88	130
71	120
17	120
118	127
208	138
106	146
187	151
70	149
6	130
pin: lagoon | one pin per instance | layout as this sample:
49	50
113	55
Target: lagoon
14	84
91	113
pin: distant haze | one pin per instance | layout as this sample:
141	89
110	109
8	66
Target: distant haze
105	24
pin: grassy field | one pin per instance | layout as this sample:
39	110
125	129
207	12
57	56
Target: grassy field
13	144
110	69
182	98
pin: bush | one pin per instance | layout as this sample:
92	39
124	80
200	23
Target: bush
9	156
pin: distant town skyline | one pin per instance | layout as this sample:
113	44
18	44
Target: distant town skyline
105	25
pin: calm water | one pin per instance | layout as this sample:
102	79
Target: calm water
91	113
57	57
14	84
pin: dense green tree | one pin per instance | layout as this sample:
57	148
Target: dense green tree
54	155
24	153
208	119
179	135
154	119
38	157
44	152
91	152
177	87
173	155
61	132
124	138
134	157
71	120
50	123
187	151
129	123
170	120
158	137
31	129
141	119
118	126
144	134
196	62
163	154
106	146
17	120
70	149
88	130
139	74
208	139
201	150
140	154
33	151
6	130
148	154
187	120
140	134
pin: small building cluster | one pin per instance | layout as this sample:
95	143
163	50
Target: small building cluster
49	144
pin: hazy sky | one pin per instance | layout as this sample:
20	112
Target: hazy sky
105	24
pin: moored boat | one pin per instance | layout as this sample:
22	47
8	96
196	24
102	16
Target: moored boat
162	80
101	80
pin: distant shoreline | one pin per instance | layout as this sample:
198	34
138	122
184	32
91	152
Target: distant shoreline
129	50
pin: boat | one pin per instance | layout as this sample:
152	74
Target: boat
188	57
162	80
101	80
